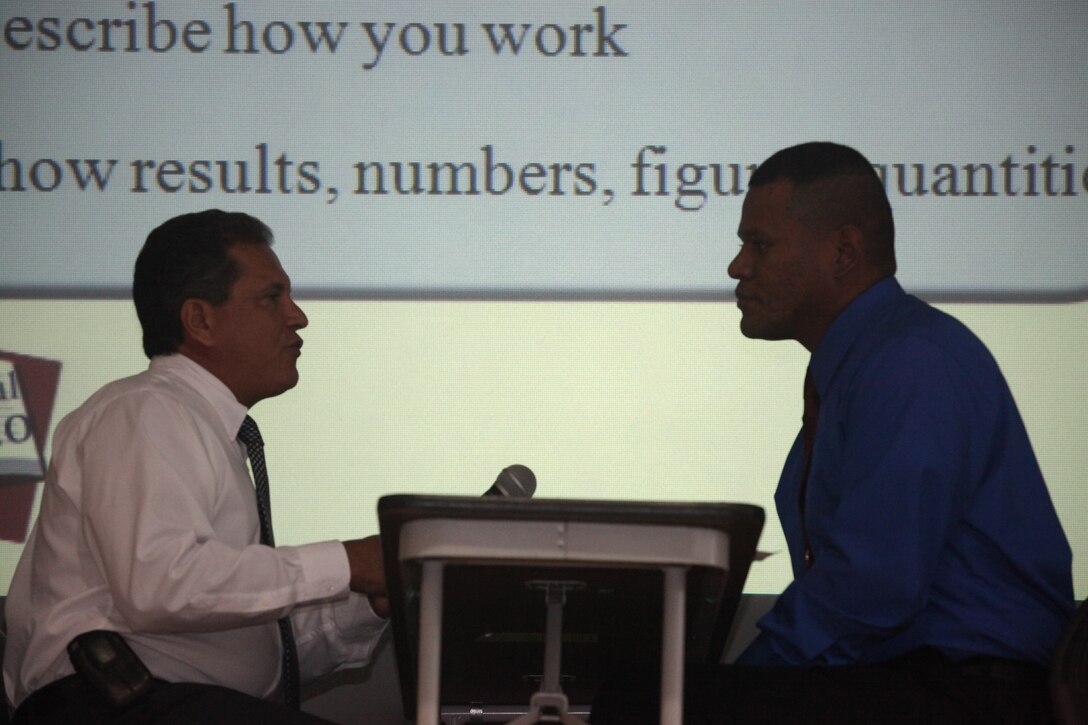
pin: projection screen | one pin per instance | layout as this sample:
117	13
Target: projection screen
509	225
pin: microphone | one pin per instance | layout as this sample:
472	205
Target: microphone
514	481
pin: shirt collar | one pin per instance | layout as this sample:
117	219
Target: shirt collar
847	327
211	388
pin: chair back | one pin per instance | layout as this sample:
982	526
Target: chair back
1069	674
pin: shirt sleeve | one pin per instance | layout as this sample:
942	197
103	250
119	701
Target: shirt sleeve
168	515
335	636
890	476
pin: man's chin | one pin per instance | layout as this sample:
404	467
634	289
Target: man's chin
289	381
760	330
750	329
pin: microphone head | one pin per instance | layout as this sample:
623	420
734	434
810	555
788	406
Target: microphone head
516	481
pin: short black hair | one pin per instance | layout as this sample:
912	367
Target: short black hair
185	258
835	185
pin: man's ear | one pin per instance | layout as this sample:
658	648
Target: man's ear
849	249
198	321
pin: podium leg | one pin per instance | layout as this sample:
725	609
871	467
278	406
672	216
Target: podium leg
430	644
672	646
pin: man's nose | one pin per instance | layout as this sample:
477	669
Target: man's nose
296	318
741	266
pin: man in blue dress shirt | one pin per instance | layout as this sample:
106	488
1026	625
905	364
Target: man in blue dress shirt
932	578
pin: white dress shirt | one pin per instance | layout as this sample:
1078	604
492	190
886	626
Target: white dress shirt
148	526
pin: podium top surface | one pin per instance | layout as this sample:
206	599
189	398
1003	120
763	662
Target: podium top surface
734	517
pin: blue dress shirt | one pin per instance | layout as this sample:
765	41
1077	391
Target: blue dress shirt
928	517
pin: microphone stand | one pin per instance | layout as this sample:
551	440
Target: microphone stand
550	704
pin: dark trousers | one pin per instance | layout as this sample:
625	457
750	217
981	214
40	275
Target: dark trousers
71	700
921	687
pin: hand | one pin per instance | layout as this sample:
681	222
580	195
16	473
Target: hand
367	572
380	605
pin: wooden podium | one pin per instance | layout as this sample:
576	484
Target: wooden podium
515	610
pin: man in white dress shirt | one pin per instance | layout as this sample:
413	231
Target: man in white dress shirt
149	523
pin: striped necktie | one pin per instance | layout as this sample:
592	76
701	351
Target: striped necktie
250	436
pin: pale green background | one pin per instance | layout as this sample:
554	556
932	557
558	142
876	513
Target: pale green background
662	401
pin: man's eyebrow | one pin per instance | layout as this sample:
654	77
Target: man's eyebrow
274	286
